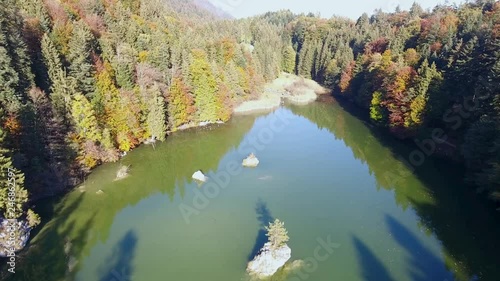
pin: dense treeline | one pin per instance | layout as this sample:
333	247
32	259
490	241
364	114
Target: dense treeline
417	73
87	80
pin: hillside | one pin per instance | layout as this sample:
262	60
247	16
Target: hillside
86	81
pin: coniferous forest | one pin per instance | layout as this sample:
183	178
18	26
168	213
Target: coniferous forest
85	81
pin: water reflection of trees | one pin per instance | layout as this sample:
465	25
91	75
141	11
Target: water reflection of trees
83	219
466	225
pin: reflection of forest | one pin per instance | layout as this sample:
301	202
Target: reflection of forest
466	225
165	168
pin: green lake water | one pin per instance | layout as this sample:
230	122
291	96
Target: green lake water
353	208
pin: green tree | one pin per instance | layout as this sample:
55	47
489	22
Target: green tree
332	74
205	87
376	109
124	65
13	195
277	234
84	119
180	104
81	68
289	57
156	120
33	218
306	60
61	86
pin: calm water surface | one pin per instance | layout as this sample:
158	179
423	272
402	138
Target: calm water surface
323	172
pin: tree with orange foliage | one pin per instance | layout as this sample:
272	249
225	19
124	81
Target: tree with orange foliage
180	104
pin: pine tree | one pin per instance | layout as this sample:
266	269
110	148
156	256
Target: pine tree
15	65
81	46
289	57
277	234
13	195
306	60
332	74
427	84
8	79
61	86
57	153
124	65
12	26
156	119
205	87
37	9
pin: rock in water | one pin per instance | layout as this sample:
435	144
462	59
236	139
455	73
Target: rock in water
199	176
122	172
268	261
251	161
14	235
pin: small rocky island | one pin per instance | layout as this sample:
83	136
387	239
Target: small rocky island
274	254
15	233
251	161
199	176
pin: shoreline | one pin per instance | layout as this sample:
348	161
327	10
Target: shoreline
292	88
289	87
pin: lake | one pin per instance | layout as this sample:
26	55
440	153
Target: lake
353	207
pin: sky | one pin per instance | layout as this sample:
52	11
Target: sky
327	8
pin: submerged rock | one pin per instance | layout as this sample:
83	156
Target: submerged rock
251	161
99	192
14	235
122	172
199	176
269	260
151	140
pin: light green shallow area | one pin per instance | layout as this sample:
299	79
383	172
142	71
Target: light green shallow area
322	171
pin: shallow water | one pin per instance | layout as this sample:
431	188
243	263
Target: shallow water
353	209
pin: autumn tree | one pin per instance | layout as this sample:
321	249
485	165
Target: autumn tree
180	104
84	118
204	87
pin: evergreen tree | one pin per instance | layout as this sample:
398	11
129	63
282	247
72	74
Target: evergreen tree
306	60
289	57
205	87
81	46
277	234
61	86
156	116
13	195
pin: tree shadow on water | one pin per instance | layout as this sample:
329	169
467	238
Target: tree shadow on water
264	217
119	264
424	264
45	255
373	269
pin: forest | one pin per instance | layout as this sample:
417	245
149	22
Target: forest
85	81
